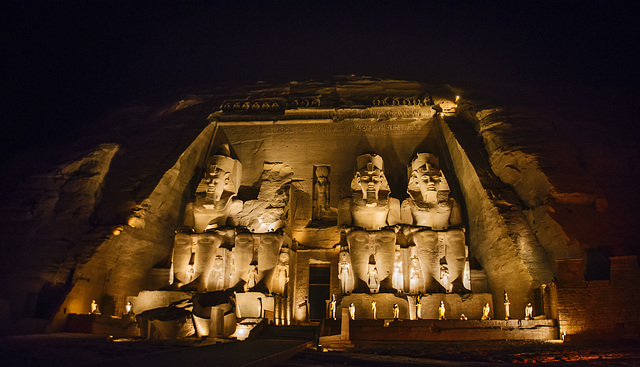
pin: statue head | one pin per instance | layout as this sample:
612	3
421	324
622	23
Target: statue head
344	257
284	258
369	180
218	261
223	176
426	179
322	172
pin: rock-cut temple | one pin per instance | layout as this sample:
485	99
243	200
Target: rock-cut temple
389	203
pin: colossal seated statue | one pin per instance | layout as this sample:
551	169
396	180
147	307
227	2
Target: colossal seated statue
215	205
434	226
370	206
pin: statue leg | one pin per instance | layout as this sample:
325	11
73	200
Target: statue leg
456	259
429	254
180	259
205	256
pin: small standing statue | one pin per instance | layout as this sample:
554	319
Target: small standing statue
485	312
397	279
128	308
94	307
441	311
414	275
396	311
528	312
352	311
374	310
332	307
252	277
281	273
419	307
344	270
507	314
217	276
444	277
372	276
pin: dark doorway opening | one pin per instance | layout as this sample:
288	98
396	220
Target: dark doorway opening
319	278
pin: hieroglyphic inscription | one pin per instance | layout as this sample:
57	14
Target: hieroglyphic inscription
326	128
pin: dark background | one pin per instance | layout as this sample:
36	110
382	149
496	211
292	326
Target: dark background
65	63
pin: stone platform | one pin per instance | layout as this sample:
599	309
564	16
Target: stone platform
360	330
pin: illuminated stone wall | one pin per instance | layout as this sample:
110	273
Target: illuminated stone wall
599	308
499	235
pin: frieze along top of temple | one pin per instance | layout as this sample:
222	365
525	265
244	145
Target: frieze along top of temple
338	98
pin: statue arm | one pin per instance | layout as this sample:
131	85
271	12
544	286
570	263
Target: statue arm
455	219
394	212
344	212
188	216
234	209
405	213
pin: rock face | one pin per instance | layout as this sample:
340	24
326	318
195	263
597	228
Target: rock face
527	193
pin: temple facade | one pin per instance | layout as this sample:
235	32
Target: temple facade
298	218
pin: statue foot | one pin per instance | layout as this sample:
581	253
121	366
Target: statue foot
195	285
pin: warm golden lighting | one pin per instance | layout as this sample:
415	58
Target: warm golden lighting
128	308
117	230
457	98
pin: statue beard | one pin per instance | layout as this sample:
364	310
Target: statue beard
371	197
222	200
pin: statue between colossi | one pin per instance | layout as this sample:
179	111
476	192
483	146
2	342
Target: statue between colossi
434	222
281	272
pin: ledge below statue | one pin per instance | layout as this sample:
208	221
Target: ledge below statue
359	330
469	304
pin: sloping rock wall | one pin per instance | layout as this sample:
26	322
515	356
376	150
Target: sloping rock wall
120	265
499	235
41	224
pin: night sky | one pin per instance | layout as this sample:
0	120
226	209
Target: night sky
65	63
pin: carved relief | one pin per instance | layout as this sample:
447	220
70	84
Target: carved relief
321	195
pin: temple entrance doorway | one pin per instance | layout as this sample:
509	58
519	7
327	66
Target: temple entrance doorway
319	278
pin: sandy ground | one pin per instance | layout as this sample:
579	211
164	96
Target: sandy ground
67	349
476	353
84	349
